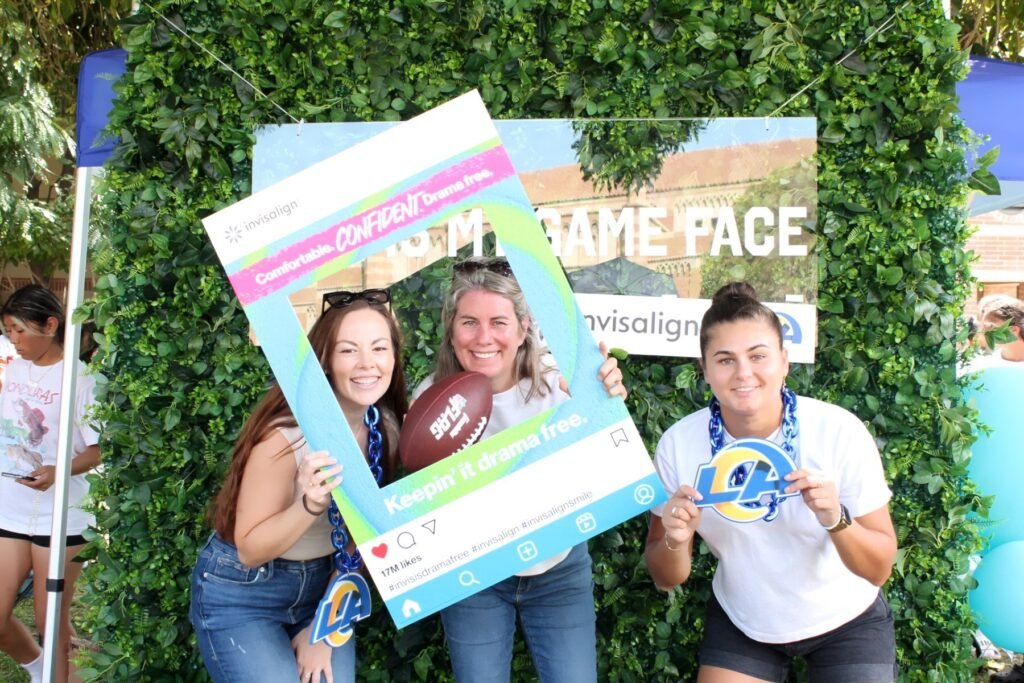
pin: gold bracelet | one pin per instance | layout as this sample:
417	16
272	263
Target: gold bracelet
305	504
675	550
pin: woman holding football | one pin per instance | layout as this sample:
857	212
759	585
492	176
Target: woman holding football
261	575
796	576
488	329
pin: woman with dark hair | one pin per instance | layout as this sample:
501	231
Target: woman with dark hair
260	577
488	329
29	433
796	576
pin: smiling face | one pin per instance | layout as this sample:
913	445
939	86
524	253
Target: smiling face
746	367
362	360
486	336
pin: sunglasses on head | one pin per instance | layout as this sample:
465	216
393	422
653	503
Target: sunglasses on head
495	265
343	299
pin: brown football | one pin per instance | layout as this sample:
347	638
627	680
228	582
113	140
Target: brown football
449	416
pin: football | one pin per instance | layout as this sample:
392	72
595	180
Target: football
449	416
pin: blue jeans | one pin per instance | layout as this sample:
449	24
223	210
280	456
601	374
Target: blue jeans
245	617
556	611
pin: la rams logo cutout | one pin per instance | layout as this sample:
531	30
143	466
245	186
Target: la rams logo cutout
745	481
347	601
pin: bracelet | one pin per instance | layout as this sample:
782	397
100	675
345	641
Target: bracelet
305	504
675	550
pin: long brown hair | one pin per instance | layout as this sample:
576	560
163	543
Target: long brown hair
273	412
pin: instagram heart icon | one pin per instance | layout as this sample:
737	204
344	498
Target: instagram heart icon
380	550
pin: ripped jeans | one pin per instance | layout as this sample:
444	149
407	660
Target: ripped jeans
245	617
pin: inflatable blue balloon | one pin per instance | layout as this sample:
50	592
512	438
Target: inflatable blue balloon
997	458
998	600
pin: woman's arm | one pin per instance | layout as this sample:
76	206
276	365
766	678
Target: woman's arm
868	545
86	460
668	551
44	476
269	518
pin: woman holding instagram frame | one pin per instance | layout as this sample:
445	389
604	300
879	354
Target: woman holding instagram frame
29	424
278	538
802	576
488	329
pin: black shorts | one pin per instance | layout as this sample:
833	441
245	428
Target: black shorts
42	541
863	650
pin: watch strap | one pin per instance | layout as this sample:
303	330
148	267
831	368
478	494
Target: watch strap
841	523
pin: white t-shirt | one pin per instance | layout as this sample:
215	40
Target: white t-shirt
508	409
783	581
990	360
29	425
7	354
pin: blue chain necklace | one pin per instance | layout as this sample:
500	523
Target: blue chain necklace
344	561
790	430
348	597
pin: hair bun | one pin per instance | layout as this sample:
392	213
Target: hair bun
734	293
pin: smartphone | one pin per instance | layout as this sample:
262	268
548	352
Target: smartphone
18	475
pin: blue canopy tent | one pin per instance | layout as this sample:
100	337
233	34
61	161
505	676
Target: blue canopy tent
991	103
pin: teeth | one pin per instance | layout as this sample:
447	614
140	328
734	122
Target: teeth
485	355
365	381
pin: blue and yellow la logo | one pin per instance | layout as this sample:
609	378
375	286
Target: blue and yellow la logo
347	601
745	481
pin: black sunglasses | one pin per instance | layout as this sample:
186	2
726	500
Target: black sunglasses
343	299
495	265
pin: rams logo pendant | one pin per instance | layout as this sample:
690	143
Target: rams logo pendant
346	602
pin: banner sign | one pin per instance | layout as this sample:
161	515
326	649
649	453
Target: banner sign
647	217
505	503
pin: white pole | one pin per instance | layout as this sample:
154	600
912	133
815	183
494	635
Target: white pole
72	334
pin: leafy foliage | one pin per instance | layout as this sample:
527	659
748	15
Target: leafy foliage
30	229
892	271
994	28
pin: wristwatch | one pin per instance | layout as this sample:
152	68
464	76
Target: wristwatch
843	521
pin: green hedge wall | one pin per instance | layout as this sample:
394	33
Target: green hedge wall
181	375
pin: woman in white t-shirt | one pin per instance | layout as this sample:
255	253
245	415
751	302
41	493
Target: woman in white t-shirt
488	329
29	425
796	576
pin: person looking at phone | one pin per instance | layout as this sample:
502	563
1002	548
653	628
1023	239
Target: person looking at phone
30	401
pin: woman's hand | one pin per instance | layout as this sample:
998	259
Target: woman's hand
318	474
610	374
313	660
682	517
42	478
819	493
